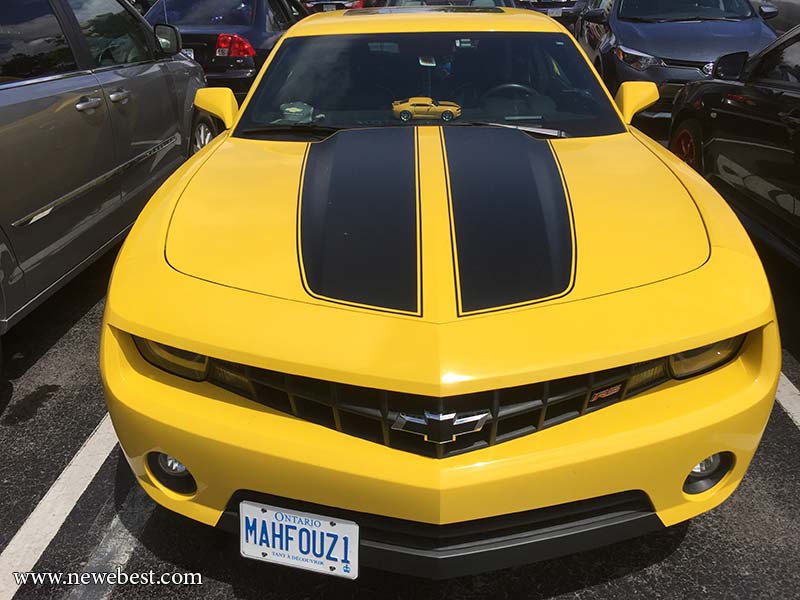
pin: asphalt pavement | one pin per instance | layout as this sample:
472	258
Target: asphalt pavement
747	548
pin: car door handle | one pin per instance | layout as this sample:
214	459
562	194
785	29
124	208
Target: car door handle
86	103
119	96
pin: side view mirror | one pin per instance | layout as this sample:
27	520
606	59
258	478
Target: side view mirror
634	96
168	39
767	10
731	66
595	15
219	103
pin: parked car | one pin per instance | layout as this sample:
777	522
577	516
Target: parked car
436	348
742	132
230	39
442	3
95	113
565	12
669	42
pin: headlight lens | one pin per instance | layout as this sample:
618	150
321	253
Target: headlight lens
693	362
178	362
638	60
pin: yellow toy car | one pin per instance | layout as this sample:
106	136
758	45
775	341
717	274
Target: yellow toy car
425	108
436	349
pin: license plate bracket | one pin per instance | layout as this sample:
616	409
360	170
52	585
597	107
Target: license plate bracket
326	545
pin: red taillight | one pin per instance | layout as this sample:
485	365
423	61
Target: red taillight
357	4
230	44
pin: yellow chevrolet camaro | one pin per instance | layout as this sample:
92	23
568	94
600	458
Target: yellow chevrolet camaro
437	349
425	108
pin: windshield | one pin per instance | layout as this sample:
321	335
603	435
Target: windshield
527	79
202	12
684	10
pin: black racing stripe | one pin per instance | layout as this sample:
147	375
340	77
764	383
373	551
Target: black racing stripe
358	218
513	226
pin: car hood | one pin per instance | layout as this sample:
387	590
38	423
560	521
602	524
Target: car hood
435	224
697	41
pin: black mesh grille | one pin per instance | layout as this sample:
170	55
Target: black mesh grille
370	414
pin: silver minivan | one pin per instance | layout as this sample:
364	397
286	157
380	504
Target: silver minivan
96	111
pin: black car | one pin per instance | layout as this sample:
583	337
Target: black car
231	39
669	42
564	11
742	132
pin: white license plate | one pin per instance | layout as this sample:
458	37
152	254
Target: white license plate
327	7
297	539
188	52
553	12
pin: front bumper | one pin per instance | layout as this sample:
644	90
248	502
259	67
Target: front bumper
648	443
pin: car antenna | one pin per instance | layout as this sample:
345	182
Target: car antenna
165	13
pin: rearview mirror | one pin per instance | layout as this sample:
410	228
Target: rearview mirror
731	66
168	39
219	103
634	96
767	10
595	15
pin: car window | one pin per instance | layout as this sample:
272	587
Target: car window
521	78
782	64
114	36
202	12
279	15
32	43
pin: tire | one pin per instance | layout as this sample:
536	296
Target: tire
405	116
687	143
204	129
447	116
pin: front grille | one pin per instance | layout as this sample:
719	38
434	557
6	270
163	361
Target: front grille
691	64
370	414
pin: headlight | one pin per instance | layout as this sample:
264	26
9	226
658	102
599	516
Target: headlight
178	362
638	60
693	362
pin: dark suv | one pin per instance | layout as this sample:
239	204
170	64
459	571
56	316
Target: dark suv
95	113
231	39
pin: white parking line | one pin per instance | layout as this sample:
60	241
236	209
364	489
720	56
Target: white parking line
41	526
117	545
789	398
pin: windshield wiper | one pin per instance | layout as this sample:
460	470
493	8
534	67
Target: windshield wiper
300	129
532	129
699	18
641	20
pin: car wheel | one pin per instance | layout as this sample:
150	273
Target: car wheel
405	116
687	144
203	131
447	116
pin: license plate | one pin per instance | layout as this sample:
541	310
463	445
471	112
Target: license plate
188	52
327	7
553	12
296	539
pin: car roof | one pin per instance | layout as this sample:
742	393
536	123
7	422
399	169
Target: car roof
423	19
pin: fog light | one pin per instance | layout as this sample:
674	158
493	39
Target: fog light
708	473
171	473
172	465
705	467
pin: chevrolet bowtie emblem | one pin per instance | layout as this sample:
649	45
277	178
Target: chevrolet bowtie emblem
440	428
